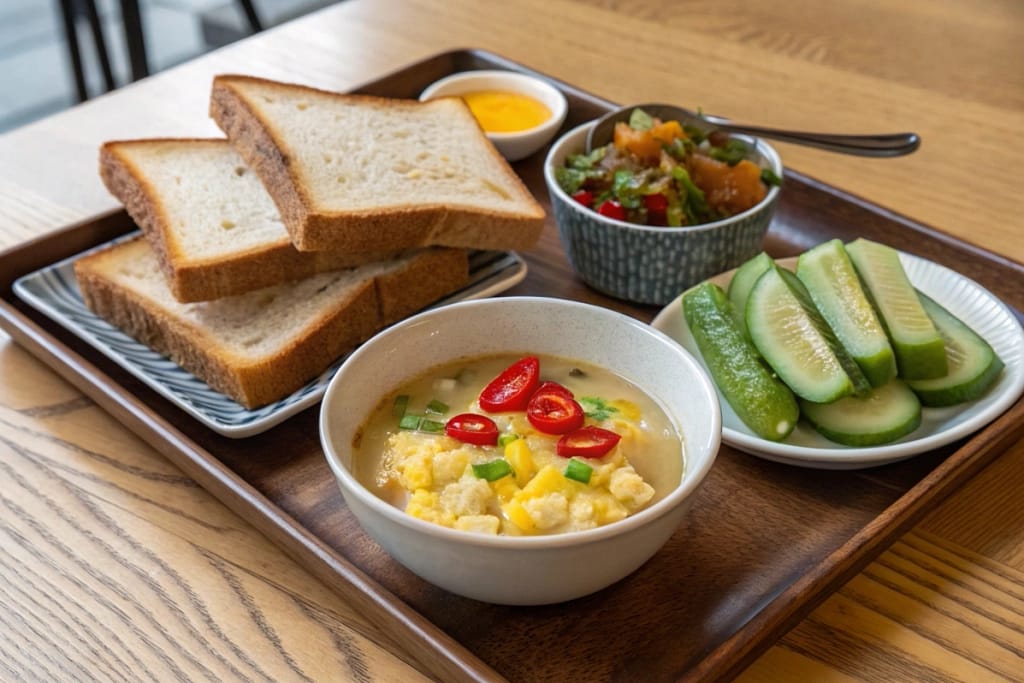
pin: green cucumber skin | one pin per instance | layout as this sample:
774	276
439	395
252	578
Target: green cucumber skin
882	416
736	366
845	377
920	353
740	285
833	285
973	363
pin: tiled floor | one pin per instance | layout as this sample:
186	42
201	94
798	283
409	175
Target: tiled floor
35	70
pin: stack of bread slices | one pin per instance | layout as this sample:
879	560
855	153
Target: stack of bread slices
320	219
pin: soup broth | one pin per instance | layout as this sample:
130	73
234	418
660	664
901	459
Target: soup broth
519	484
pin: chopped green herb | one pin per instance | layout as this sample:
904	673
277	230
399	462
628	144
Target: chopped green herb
409	422
596	408
432	426
768	177
493	470
436	407
640	120
506	439
628	188
578	471
732	152
400	405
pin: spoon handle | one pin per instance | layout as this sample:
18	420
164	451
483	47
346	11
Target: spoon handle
883	145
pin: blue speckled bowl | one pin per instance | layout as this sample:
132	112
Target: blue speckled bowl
652	265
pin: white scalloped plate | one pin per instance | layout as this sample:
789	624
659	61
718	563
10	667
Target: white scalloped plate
966	299
54	291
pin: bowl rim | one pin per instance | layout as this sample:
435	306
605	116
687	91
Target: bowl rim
766	150
557	102
689	483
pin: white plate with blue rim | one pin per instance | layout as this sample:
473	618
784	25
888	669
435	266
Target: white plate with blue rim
963	297
53	291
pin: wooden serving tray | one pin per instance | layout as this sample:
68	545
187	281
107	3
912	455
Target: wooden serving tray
762	546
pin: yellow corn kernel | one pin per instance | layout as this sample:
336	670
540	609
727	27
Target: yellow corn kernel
519	456
607	509
425	505
628	430
550	480
627	409
505	488
417	472
517	514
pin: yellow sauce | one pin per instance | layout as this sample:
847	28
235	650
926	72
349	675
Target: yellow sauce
506	112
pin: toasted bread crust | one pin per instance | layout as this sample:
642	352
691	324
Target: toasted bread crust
316	229
334	331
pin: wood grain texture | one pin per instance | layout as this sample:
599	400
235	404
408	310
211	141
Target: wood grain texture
144	575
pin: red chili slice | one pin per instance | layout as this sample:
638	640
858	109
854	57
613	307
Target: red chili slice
612	209
511	390
584	197
478	430
587	442
554	411
555	387
657	208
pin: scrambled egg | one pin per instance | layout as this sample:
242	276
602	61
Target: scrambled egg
535	497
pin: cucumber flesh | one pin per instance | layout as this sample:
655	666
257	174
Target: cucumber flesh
919	348
973	364
833	284
884	414
796	342
759	398
740	285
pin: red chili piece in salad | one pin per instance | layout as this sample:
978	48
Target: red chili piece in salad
471	428
512	389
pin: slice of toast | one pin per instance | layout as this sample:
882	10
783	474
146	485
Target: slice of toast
357	172
261	346
215	229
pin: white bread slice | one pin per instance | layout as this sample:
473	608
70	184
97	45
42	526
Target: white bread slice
215	229
356	172
261	346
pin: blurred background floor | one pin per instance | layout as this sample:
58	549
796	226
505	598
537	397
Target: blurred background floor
36	77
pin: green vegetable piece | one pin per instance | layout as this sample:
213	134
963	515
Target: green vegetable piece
797	343
409	422
833	284
493	470
920	350
596	408
628	188
732	152
973	364
757	396
400	405
768	177
578	471
882	415
432	426
506	439
640	120
436	407
740	285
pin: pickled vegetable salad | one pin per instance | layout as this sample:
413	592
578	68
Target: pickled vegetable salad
659	173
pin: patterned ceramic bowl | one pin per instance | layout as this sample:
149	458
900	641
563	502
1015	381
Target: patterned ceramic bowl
652	265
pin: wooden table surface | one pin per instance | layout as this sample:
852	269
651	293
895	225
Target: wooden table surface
116	566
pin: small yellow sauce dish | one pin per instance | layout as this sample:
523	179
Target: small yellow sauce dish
519	113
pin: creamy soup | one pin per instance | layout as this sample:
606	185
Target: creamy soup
519	445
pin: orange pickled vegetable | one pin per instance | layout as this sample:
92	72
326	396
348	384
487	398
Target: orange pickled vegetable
646	144
727	189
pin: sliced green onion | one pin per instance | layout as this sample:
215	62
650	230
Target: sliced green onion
432	426
400	405
493	470
768	177
506	439
436	407
409	422
578	471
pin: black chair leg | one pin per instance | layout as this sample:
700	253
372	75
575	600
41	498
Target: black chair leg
101	43
132	18
67	11
250	14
